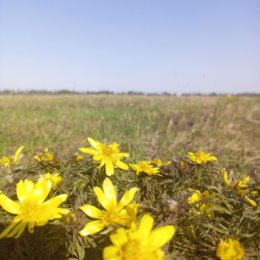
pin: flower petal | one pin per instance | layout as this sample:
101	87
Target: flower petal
92	228
98	157
17	154
24	189
122	165
101	197
10	205
92	142
162	235
42	189
17	230
102	163
7	230
12	226
91	211
145	226
127	197
119	238
56	201
88	151
109	167
111	253
109	191
31	226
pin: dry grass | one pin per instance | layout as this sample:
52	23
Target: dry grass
151	127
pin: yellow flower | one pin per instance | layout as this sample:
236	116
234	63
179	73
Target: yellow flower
54	178
78	157
108	155
9	161
45	156
200	207
122	213
139	243
159	162
230	249
145	167
201	158
5	161
240	187
31	208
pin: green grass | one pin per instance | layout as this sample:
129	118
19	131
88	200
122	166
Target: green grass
147	127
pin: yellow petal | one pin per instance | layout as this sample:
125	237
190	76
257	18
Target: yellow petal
101	197
109	192
111	253
102	163
119	238
41	222
145	226
12	226
127	197
114	146
162	235
135	167
24	189
92	211
10	205
109	168
121	165
88	151
122	155
31	227
17	154
92	142
92	228
7	230
18	230
42	189
98	157
56	201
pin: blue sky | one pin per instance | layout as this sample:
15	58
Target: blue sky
151	46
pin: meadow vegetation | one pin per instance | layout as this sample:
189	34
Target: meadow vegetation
147	127
183	184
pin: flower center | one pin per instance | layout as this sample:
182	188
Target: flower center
110	218
30	210
131	250
107	151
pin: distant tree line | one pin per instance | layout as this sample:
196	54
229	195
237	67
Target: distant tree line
107	92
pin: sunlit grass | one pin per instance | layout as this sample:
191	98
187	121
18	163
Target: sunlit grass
147	126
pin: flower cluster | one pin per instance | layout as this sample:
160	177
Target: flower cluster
140	242
201	158
32	208
123	213
45	157
230	249
240	187
200	202
10	160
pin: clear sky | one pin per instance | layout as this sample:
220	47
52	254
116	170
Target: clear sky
140	45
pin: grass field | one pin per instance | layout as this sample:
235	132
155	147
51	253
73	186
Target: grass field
147	126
